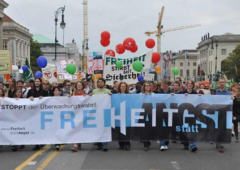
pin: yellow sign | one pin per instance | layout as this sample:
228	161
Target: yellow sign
5	62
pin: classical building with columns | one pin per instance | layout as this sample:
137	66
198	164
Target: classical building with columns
16	39
3	5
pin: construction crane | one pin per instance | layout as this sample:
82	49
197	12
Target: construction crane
85	36
159	32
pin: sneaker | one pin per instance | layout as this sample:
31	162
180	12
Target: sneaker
14	148
127	148
146	148
74	149
220	149
57	147
165	147
162	148
194	148
104	148
36	147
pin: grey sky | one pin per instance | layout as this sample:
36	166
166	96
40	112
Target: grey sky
130	18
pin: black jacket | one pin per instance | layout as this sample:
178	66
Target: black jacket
37	93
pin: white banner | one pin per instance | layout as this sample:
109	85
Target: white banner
126	73
54	120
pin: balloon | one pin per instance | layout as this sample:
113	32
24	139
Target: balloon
157	69
110	53
140	78
105	43
134	49
120	49
25	68
128	43
105	35
71	68
119	64
137	66
150	43
38	75
175	71
156	57
42	61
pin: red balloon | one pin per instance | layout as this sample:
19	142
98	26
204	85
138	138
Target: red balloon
110	53
150	43
120	49
105	43
156	57
105	35
128	43
134	49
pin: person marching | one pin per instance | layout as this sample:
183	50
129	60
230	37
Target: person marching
236	112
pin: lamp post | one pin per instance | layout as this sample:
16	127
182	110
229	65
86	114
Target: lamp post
62	25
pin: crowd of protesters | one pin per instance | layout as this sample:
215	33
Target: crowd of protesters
38	89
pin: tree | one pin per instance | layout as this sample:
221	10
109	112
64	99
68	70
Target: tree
231	65
35	52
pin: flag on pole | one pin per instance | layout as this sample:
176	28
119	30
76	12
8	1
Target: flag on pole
28	74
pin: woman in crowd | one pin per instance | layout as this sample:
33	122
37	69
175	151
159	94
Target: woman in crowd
78	92
57	92
190	85
12	88
147	90
124	144
18	95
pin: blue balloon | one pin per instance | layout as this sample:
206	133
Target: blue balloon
140	78
38	74
42	61
25	68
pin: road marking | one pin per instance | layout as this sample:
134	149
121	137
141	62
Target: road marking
31	158
175	165
49	159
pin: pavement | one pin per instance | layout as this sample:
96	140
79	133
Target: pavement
206	158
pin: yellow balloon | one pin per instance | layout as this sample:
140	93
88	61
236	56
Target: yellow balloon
158	69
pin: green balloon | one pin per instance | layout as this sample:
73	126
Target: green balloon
175	71
119	64
137	66
71	68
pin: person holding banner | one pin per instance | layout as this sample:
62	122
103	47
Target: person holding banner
190	85
124	144
78	92
221	91
37	91
147	90
101	90
67	91
236	112
18	95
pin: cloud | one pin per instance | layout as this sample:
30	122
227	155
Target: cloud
130	18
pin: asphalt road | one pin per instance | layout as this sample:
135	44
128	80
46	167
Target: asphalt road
206	158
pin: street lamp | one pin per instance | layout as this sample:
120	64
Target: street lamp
62	25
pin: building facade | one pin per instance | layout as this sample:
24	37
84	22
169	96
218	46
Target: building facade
3	5
70	51
16	39
213	50
186	61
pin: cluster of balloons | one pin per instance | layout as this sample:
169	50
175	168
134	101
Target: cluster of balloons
105	38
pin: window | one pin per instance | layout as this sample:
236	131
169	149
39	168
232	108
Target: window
5	45
181	64
224	51
181	72
188	73
194	73
194	64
